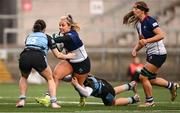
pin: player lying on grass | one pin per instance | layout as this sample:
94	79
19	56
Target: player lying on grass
100	88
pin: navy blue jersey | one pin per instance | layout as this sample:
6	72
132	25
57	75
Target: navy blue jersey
77	43
146	28
72	43
70	40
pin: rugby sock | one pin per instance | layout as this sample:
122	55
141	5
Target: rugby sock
149	99
170	85
130	100
126	87
53	99
131	85
22	97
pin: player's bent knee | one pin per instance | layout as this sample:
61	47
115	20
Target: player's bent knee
148	74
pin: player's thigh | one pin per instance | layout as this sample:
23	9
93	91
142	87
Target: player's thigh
150	67
25	63
81	78
47	73
148	72
62	69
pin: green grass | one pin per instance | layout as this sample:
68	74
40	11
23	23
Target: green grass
69	99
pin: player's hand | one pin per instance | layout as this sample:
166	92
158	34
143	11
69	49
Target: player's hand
74	81
143	42
70	55
134	53
55	35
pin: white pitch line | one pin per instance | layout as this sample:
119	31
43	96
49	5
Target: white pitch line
61	102
75	102
41	96
93	103
35	97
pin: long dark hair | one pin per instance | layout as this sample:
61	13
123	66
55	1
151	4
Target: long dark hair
130	18
39	25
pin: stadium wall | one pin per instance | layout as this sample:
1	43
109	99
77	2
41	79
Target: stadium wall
108	42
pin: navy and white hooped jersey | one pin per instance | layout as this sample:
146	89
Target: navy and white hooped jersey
145	28
72	43
40	41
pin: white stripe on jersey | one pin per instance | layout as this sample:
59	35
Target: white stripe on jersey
156	48
139	28
80	56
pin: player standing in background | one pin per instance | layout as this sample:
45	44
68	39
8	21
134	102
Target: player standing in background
34	55
150	36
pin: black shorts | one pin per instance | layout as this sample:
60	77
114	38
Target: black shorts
108	94
156	60
32	59
82	67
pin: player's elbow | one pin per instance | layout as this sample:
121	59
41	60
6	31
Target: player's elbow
85	95
162	35
87	92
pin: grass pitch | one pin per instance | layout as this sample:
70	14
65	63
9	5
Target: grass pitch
69	99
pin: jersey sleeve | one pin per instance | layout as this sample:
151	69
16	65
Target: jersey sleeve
51	42
63	39
153	23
